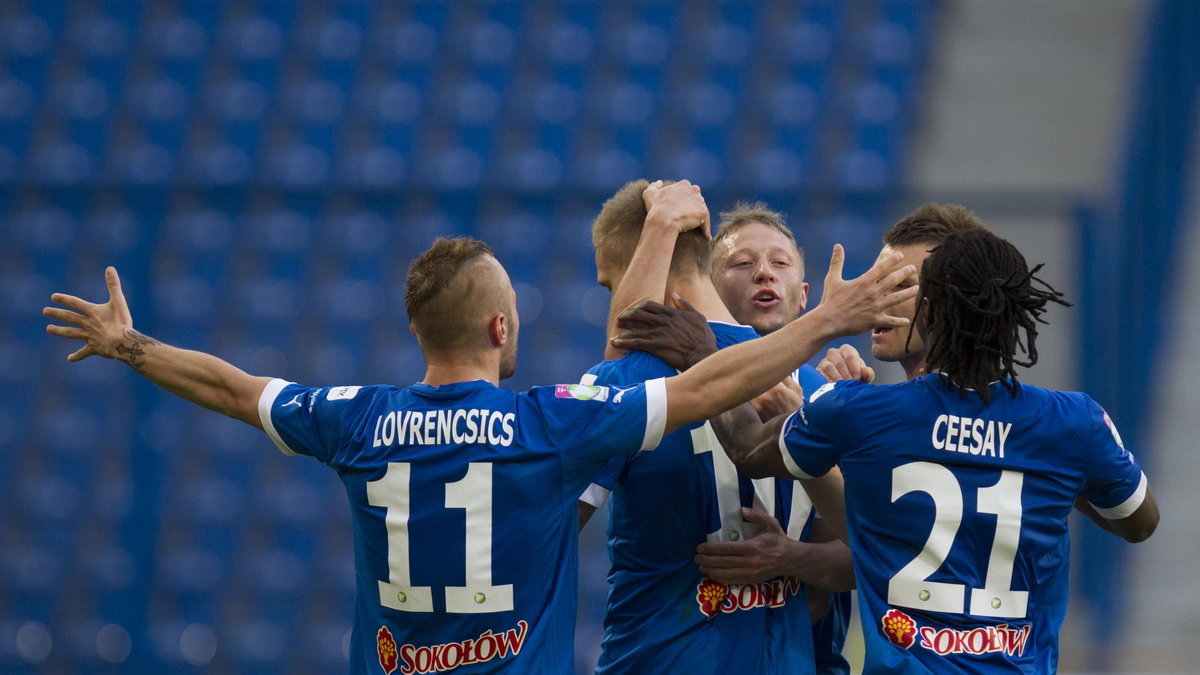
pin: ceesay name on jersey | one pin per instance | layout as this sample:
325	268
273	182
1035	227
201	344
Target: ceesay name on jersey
972	435
442	427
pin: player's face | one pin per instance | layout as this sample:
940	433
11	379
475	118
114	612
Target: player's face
760	277
887	344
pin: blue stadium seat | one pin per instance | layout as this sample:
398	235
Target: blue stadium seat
177	38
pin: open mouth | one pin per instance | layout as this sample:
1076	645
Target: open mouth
881	330
766	298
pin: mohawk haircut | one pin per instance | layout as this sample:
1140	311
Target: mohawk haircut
616	231
745	213
980	297
430	276
931	224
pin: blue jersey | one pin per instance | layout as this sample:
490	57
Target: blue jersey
810	379
958	511
663	614
463	508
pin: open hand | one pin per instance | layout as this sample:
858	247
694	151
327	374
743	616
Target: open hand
104	329
857	305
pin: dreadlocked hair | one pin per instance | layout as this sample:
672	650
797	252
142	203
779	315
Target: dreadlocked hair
979	297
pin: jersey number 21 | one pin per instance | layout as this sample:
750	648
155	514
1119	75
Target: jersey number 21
910	587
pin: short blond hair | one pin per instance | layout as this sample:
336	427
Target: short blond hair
616	231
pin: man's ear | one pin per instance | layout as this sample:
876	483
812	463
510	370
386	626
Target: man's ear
498	330
411	330
803	296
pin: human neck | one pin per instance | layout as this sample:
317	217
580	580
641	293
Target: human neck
441	369
699	291
914	367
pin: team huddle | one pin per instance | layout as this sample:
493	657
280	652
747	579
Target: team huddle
748	492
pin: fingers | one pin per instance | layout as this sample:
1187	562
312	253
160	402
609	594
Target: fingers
71	301
67	332
115	295
762	519
836	261
721	553
62	315
630	342
81	354
893	300
834	366
795	387
886	266
893	278
682	304
867	374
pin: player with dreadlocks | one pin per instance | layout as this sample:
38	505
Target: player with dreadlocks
959	482
976	321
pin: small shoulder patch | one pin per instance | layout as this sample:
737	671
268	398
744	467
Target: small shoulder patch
342	393
582	392
1113	428
821	391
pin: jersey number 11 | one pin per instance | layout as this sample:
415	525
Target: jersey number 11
474	494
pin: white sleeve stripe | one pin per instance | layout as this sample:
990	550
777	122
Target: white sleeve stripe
792	467
656	413
588	378
1127	507
264	413
595	495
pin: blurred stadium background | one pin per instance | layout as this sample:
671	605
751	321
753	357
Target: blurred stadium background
262	171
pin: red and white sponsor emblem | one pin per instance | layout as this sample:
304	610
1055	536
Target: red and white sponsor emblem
902	631
715	598
899	628
449	656
385	644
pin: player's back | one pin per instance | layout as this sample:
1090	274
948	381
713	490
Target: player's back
958	515
663	613
463	510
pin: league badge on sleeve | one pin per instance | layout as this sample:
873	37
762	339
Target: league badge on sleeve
1113	428
342	393
581	392
821	391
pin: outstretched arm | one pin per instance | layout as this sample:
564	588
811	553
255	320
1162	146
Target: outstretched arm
736	374
670	211
107	330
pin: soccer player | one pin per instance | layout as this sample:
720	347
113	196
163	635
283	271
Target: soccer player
758	270
662	610
462	493
959	482
913	237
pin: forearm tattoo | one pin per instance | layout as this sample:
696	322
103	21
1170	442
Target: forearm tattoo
133	352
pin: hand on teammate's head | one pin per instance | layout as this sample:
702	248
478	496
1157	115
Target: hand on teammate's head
678	205
678	335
